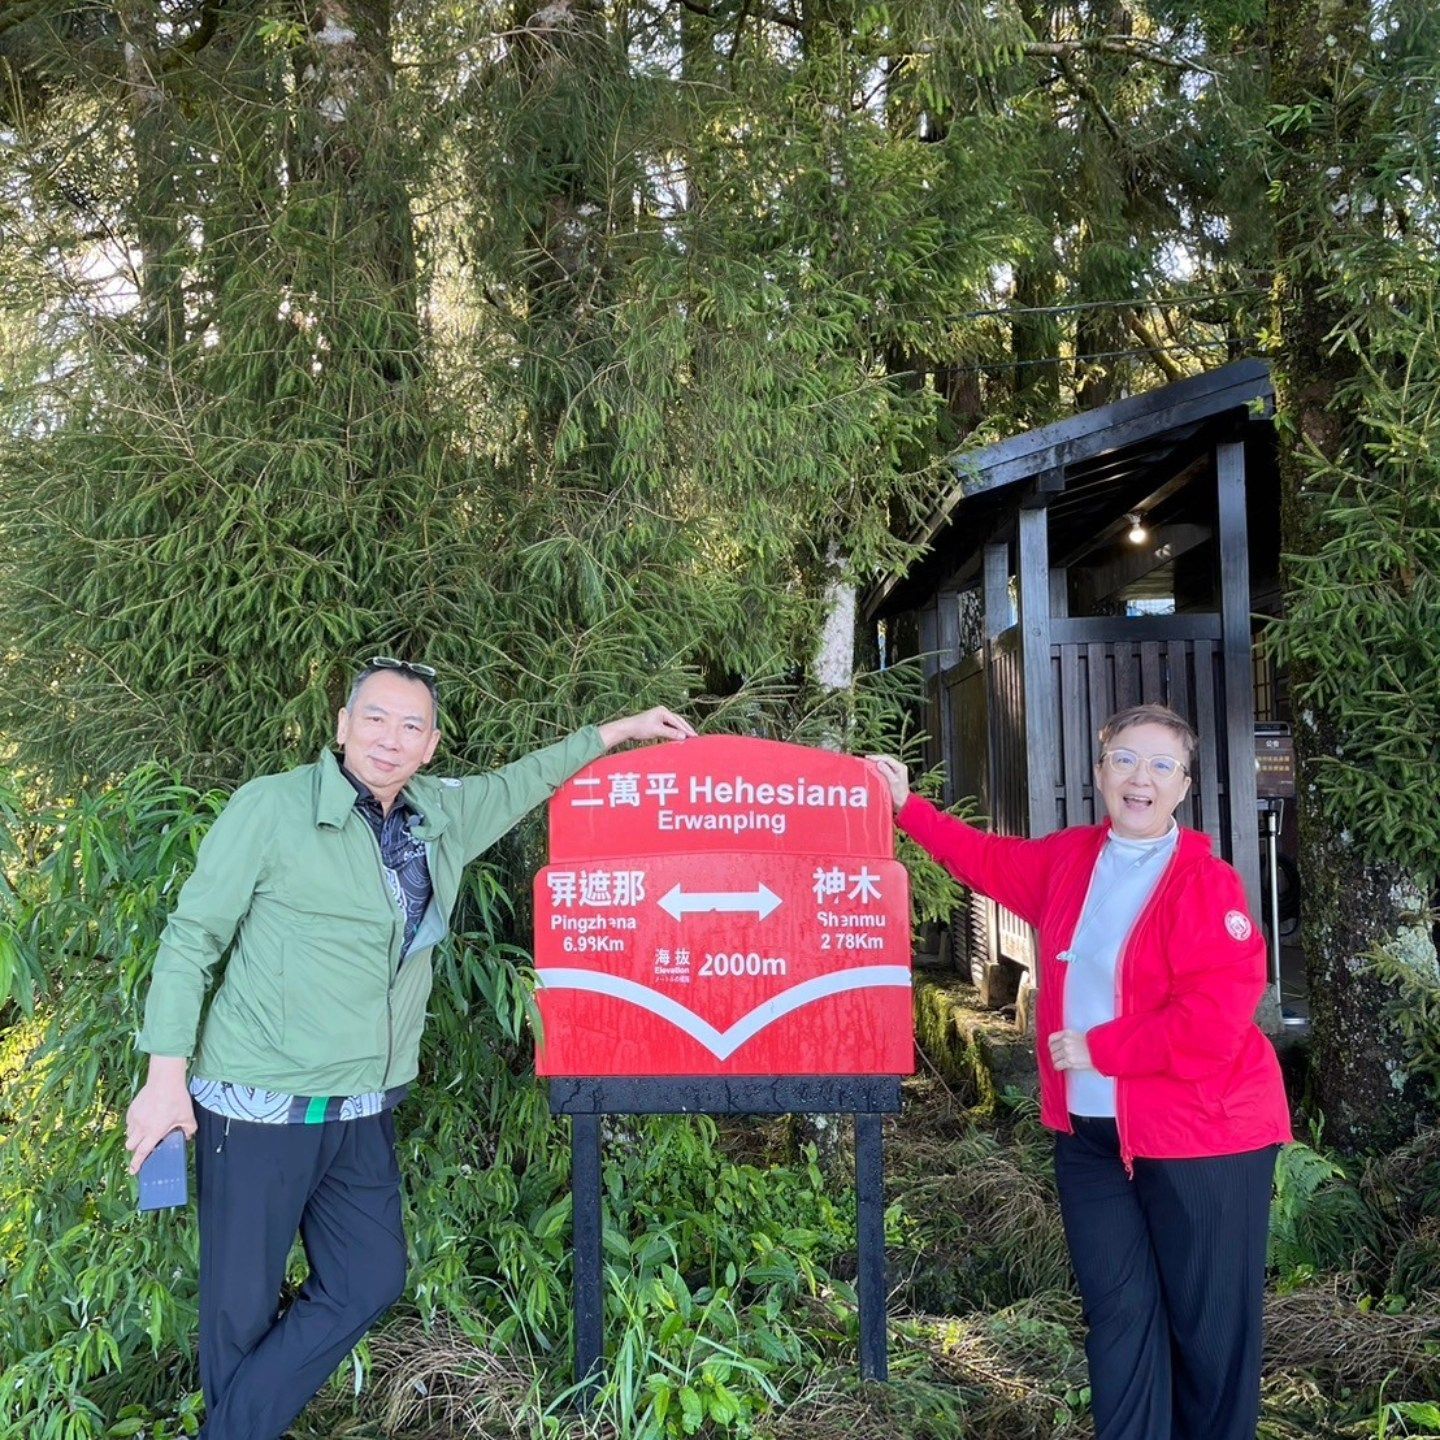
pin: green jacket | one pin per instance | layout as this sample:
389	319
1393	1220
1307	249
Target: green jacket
315	997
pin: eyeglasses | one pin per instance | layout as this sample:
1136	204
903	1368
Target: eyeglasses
389	662
1126	762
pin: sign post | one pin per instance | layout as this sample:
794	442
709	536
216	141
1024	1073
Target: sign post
722	928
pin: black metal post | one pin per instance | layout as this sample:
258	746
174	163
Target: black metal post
1272	886
867	1097
870	1245
589	1298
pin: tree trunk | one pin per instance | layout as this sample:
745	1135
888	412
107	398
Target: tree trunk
1355	904
156	218
1035	342
348	146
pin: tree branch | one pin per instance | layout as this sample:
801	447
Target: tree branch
766	12
1142	332
1087	92
204	33
1126	45
735	43
19	12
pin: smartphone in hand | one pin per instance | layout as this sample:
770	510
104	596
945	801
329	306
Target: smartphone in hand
163	1176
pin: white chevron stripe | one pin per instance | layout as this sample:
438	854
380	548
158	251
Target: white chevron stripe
722	1044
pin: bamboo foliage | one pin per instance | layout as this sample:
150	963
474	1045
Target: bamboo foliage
482	332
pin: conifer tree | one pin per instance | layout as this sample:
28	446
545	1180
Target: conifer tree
442	359
1358	360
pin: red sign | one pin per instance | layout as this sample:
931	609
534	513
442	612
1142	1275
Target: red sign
723	906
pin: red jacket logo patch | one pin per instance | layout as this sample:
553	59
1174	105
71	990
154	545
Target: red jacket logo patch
1237	922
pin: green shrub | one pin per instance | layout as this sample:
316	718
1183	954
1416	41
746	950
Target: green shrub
1318	1220
715	1265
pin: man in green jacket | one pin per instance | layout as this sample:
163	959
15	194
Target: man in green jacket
324	891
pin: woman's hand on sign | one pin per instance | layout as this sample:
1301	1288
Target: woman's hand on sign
1069	1050
895	777
656	724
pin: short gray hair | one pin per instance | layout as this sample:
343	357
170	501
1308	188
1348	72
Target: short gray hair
1172	720
428	681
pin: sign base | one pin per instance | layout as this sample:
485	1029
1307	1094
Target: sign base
867	1097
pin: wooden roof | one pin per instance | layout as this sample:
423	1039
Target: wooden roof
1087	469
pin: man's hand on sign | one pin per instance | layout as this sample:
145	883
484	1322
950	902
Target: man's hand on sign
895	776
656	724
161	1105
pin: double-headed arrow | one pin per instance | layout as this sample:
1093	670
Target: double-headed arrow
762	900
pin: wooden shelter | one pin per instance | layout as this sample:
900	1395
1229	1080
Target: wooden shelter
1109	559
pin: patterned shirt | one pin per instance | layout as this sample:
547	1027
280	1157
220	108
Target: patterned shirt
273	1107
407	875
402	856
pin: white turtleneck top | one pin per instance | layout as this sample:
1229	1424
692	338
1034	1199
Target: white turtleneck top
1125	876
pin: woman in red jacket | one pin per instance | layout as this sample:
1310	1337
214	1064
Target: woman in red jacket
1165	1096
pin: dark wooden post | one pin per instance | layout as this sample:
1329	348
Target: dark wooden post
947	639
585	1219
931	663
929	619
870	1245
1239	718
1042	740
997	589
1059	593
947	628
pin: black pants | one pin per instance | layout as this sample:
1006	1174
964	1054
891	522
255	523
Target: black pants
338	1185
1171	1268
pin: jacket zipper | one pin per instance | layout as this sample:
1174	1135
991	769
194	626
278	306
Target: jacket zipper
1127	1156
389	964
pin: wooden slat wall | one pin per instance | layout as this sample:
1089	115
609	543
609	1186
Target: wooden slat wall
1127	686
1180	666
969	750
1151	680
947	641
1009	811
1207	782
1096	680
983	737
933	750
979	934
1074	743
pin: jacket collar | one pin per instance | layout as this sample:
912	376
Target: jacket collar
335	798
1192	845
334	794
424	792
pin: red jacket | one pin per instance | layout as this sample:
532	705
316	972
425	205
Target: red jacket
1194	1074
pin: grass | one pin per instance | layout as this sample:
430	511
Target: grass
987	1341
986	1335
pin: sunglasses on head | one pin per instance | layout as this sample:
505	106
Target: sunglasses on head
389	662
